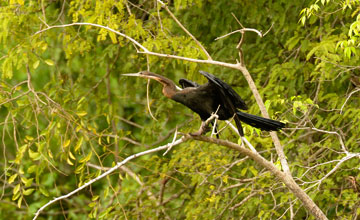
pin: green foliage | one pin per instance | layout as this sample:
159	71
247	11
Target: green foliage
67	114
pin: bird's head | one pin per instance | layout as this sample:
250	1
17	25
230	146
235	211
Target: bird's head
149	75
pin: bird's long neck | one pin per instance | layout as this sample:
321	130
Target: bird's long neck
169	87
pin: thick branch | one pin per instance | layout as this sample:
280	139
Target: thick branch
286	179
275	138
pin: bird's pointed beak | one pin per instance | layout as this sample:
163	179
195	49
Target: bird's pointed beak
131	74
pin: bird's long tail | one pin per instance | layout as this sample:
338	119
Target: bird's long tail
260	122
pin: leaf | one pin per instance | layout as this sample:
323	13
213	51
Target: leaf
19	202
16	189
241	190
243	171
312	51
92	204
225	178
81	113
49	62
12	178
78	144
79	168
32	169
86	158
71	156
253	170
66	143
36	64
82	99
28	191
267	104
34	155
29	138
44	191
113	37
69	162
28	182
20	2
50	154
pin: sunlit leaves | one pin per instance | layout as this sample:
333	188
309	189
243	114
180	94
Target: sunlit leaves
12	178
49	62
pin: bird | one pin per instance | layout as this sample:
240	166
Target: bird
215	96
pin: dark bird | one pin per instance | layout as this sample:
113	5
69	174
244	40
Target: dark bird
214	96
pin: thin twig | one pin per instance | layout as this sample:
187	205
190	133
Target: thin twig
185	30
172	143
333	132
241	31
117	166
347	98
268	30
30	86
148	99
243	201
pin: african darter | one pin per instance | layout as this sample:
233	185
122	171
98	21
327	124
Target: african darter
214	96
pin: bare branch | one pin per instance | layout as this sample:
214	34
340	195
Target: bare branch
145	50
333	132
283	176
172	143
347	157
241	31
244	200
351	93
117	166
148	99
268	30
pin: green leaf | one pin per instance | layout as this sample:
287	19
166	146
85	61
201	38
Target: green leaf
28	192
12	178
49	62
36	64
19	202
81	113
66	143
34	155
86	158
113	37
16	189
243	171
44	191
253	170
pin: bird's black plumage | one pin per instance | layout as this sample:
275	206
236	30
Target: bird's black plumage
215	96
205	99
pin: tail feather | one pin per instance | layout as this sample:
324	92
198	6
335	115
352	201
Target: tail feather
260	122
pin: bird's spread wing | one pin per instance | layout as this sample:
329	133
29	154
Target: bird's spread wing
231	100
184	83
229	93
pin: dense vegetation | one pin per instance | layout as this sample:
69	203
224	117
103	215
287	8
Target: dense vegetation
67	114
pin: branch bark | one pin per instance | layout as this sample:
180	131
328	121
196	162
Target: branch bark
286	179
